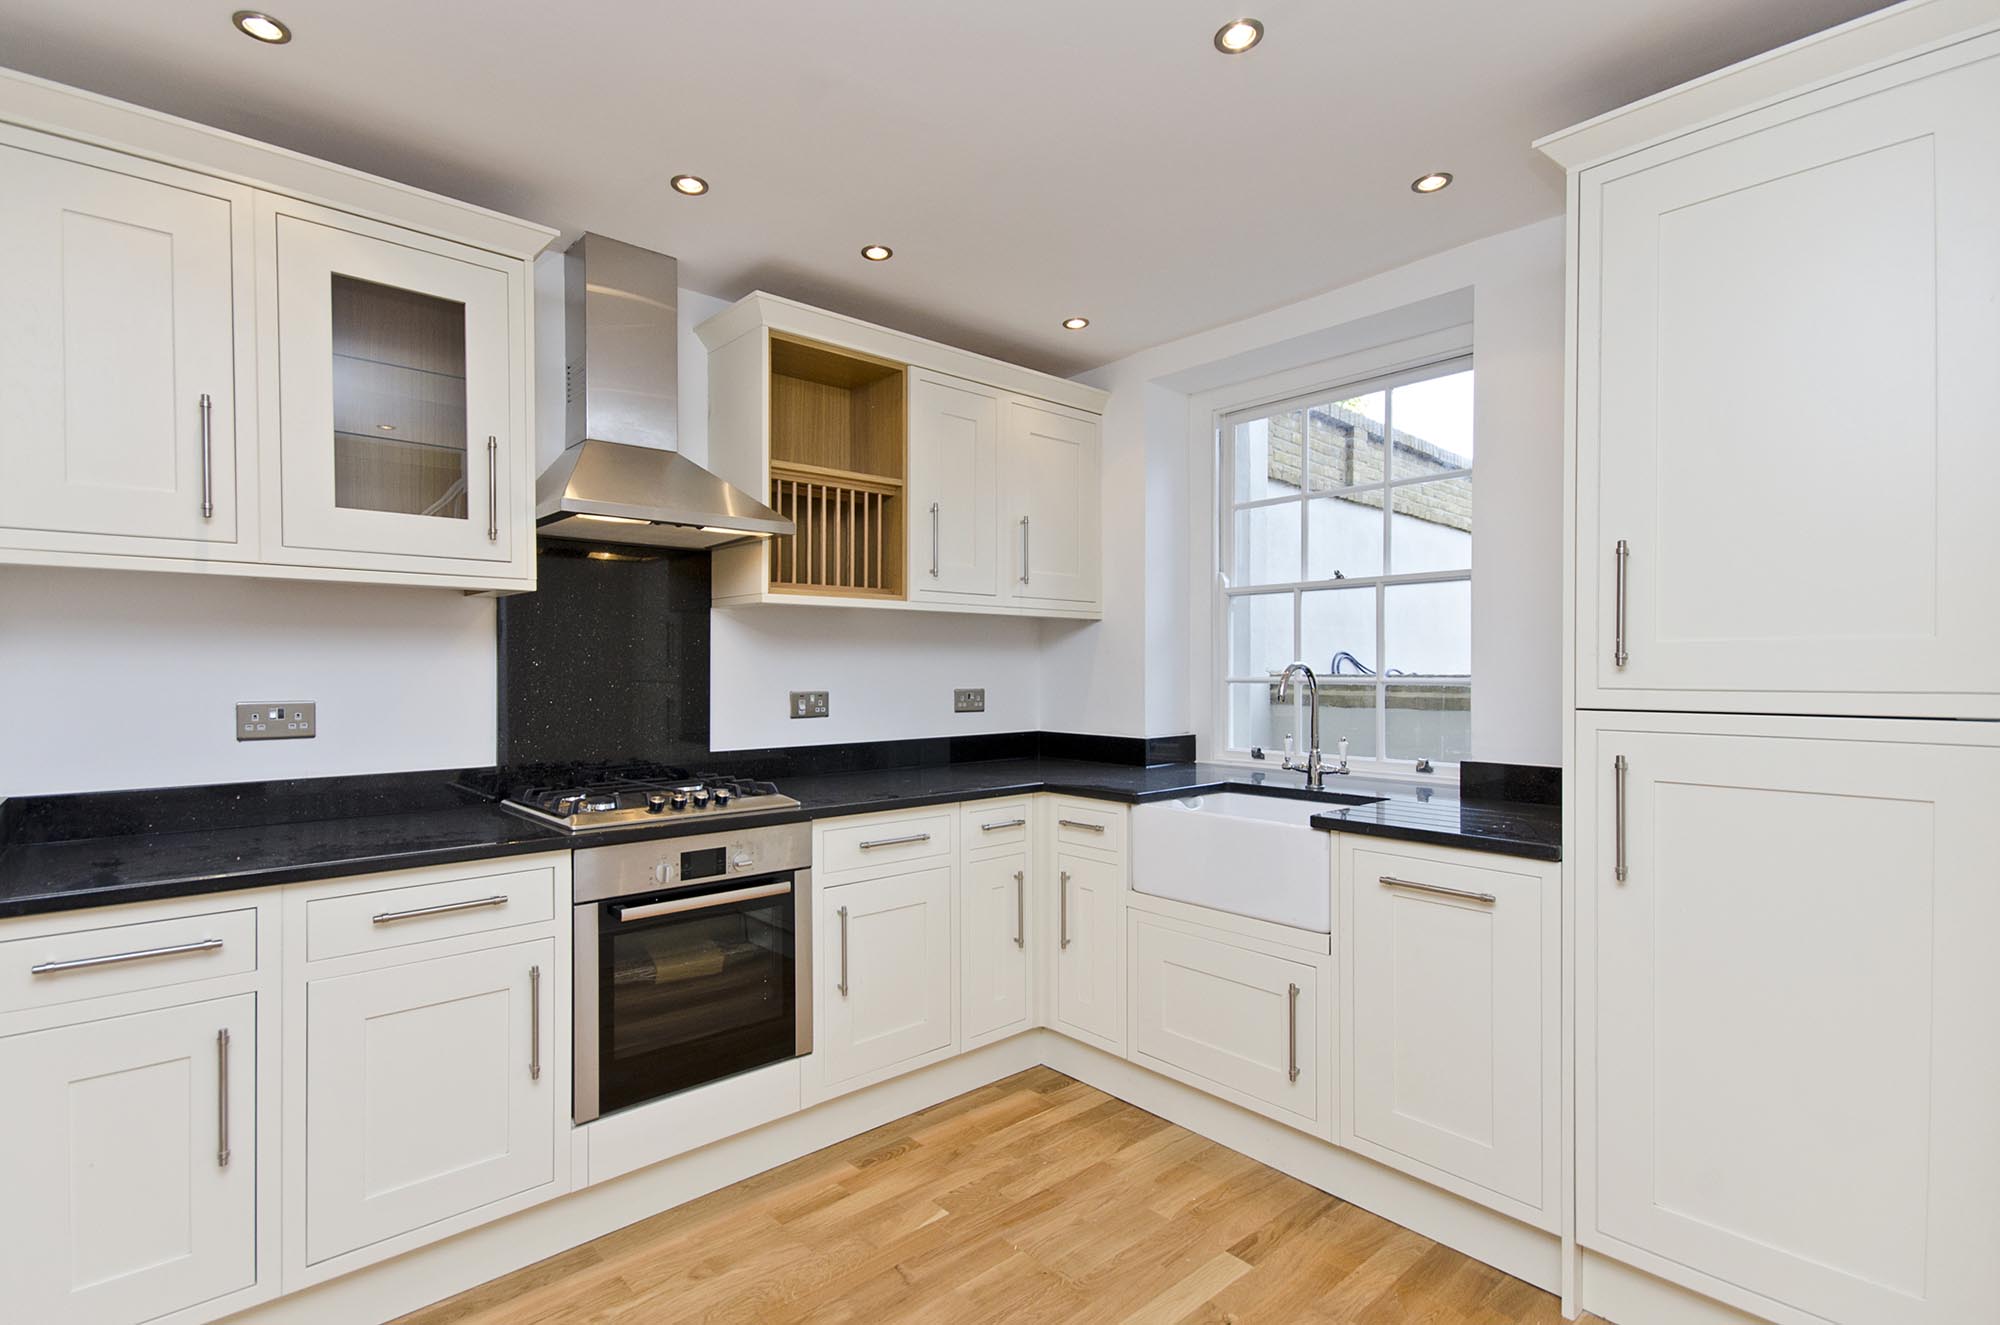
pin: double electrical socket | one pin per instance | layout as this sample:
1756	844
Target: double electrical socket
273	721
969	701
809	704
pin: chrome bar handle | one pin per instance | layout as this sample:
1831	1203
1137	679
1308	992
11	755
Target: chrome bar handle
1062	897
1438	889
934	540
704	902
1085	825
1292	1032
842	985
443	908
493	489
119	958
1020	908
222	1099
1619	657
207	457
1004	823
1618	767
534	1023
896	841
1024	549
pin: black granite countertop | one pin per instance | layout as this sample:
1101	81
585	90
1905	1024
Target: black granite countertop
66	853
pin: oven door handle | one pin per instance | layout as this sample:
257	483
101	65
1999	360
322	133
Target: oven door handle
707	901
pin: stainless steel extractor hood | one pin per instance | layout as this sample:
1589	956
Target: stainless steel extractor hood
620	480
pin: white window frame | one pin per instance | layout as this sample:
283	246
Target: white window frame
1224	509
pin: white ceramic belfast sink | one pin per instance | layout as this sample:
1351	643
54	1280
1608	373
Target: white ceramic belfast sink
1254	856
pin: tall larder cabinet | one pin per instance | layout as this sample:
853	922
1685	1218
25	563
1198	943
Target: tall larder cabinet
1783	626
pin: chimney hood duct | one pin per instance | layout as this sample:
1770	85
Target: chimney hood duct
620	480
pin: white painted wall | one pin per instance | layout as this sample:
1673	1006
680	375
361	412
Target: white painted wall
113	679
1143	670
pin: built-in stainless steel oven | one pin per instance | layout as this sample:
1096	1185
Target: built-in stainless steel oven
693	961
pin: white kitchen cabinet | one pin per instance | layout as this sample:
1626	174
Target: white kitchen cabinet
954	452
204	373
129	1163
1231	1017
1089	982
919	476
1785	1012
431	1091
1785	402
885	974
120	335
1452	1020
397	381
994	961
1050	477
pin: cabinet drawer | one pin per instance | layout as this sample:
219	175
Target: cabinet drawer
395	917
994	824
119	959
1092	825
868	844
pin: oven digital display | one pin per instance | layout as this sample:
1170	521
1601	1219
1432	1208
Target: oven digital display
701	864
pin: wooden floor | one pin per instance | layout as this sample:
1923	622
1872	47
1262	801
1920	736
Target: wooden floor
1034	1199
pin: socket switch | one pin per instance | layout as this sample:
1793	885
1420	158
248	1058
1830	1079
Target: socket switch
969	701
272	721
809	704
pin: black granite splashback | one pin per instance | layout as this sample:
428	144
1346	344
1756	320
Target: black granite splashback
608	659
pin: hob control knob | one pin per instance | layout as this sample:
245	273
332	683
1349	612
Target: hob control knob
656	801
701	795
723	795
679	801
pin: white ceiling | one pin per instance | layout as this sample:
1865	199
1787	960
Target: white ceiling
1027	159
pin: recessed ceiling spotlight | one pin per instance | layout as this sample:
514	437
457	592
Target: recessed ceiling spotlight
1075	323
878	252
1430	183
1238	35
261	26
692	185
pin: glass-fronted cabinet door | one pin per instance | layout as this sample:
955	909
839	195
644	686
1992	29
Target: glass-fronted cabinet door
396	406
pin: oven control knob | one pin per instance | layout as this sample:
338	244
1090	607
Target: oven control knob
663	873
742	859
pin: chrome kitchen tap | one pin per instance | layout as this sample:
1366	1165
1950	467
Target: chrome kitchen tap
1314	766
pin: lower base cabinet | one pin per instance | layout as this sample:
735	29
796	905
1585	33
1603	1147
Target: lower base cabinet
429	1092
1453	1021
128	1164
1237	1021
886	981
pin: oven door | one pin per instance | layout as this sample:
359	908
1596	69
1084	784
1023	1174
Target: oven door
675	989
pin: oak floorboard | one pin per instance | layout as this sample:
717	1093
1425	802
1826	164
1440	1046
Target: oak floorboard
1034	1199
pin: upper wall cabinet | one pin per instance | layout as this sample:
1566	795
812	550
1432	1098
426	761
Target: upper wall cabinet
918	476
1785	402
251	363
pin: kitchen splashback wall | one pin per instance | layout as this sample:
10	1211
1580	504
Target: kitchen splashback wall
608	659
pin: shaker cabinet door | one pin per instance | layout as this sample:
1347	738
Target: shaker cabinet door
1051	526
396	382
1785	1041
129	1163
886	960
1786	405
993	963
954	487
429	1092
118	353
